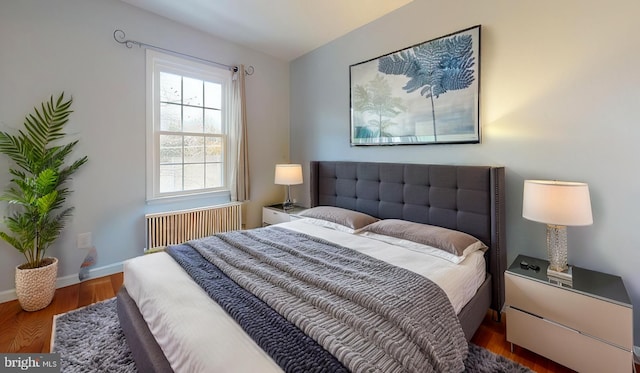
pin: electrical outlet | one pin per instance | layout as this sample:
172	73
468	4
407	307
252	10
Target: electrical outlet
84	240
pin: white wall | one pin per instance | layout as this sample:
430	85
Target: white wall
51	46
559	100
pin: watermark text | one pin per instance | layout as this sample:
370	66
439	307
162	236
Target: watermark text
30	363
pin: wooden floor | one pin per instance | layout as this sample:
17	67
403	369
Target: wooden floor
31	331
26	332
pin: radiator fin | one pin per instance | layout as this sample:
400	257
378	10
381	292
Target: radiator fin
175	227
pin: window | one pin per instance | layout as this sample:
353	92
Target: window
187	131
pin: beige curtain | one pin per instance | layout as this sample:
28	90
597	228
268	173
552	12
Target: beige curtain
238	139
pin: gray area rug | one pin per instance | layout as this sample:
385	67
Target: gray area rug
90	340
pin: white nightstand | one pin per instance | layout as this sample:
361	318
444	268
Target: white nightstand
275	214
587	327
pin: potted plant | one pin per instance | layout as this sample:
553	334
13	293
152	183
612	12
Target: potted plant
36	197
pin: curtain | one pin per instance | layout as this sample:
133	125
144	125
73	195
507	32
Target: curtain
239	175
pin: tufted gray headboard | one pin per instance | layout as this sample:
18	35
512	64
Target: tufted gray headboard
464	198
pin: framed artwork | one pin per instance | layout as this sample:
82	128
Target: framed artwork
428	93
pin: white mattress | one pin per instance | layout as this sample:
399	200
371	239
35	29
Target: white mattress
196	335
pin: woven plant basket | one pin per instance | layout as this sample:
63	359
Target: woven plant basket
35	286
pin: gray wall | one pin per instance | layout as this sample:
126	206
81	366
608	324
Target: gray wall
49	46
559	100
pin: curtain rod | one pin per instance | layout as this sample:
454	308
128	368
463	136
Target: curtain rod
120	37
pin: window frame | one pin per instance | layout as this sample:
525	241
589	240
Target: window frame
160	62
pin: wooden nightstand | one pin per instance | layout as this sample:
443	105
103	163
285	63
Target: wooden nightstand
588	327
275	214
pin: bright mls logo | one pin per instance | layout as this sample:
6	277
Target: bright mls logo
30	363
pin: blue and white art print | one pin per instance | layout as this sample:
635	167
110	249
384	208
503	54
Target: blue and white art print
425	94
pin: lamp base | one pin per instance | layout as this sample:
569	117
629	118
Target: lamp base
562	278
287	205
557	247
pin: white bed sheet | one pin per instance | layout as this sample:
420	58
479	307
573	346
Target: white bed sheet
194	332
196	335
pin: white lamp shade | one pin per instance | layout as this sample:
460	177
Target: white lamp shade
288	174
557	202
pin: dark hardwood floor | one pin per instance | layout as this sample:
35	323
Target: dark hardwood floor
26	332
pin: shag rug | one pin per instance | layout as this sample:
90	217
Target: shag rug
90	340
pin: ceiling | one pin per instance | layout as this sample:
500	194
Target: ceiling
285	29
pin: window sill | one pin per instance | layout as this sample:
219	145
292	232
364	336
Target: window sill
219	197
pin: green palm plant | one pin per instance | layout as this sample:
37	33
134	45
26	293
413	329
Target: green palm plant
37	192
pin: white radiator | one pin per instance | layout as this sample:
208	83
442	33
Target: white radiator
175	227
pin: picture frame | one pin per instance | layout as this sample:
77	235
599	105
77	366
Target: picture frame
428	93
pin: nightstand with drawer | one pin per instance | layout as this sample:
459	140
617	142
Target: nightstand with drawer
275	214
587	327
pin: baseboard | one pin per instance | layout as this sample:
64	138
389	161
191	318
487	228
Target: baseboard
73	279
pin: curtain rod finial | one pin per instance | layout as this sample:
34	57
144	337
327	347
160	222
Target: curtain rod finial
120	37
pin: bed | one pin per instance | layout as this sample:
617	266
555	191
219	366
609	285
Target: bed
467	199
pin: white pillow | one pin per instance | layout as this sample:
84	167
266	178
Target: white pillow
338	218
417	247
425	237
328	224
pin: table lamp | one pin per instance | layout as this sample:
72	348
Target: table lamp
288	174
558	204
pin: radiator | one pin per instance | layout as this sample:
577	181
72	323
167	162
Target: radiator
175	227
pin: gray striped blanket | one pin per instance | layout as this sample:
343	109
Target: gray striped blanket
372	316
